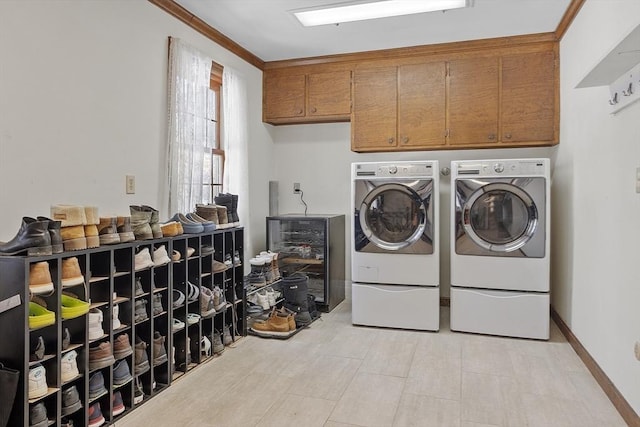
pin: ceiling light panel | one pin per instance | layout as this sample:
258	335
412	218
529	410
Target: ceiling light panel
336	14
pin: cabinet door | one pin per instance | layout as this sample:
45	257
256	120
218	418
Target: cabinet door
528	97
329	94
283	95
473	101
373	120
421	105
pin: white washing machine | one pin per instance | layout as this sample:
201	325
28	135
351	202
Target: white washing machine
500	247
395	268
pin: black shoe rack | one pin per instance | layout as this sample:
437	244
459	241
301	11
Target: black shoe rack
109	279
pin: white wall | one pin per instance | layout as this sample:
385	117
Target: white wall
596	273
83	103
319	158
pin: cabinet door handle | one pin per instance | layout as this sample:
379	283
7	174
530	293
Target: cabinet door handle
299	111
405	139
390	140
314	109
507	136
492	137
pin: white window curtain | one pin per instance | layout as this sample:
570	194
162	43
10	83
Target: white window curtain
189	79
234	137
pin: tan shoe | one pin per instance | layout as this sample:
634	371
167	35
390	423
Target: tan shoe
275	326
73	238
40	278
71	273
91	234
69	215
108	230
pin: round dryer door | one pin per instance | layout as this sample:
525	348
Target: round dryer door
500	217
393	216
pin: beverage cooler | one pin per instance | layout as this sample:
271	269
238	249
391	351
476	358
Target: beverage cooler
313	245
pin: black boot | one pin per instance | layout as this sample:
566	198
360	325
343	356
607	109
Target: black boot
226	200
32	238
54	233
234	209
295	289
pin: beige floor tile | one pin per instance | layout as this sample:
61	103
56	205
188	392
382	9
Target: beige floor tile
482	399
326	377
551	411
421	411
336	424
436	377
470	424
391	353
486	355
295	411
370	400
597	403
351	342
536	375
443	344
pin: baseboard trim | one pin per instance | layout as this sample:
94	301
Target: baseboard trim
620	403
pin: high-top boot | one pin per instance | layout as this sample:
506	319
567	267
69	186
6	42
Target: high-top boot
54	233
91	227
256	276
72	227
140	223
295	289
33	237
124	229
154	221
208	212
225	200
234	209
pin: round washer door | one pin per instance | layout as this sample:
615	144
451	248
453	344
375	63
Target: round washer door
393	216
500	217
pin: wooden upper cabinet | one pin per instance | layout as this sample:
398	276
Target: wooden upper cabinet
373	119
473	101
421	105
528	98
292	96
329	94
284	95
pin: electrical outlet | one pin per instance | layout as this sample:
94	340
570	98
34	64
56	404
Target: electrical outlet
131	184
296	187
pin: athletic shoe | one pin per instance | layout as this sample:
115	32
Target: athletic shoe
140	314
218	347
138	394
178	298
121	373
159	351
192	318
37	350
70	400
177	325
118	404
68	366
226	335
140	357
160	256
37	382
157	304
139	290
95	415
143	259
207	307
219	300
96	385
95	324
66	339
115	322
122	346
38	415
205	346
101	356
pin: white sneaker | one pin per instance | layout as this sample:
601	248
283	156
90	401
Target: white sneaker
115	321
143	259
263	300
160	256
37	382
68	366
95	324
193	318
177	325
271	296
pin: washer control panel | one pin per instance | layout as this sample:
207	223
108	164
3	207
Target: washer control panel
529	167
396	170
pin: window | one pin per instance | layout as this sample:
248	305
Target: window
213	164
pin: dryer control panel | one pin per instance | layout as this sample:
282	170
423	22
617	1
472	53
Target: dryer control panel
398	170
486	168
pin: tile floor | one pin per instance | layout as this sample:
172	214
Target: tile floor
336	375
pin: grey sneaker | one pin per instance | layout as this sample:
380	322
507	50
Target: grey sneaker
70	400
66	339
157	304
159	352
218	347
138	395
121	373
141	311
226	335
96	385
38	415
139	290
140	357
219	301
37	350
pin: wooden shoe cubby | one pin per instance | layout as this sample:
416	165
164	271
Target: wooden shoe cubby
108	270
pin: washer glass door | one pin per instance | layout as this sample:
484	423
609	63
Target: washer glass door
393	217
500	217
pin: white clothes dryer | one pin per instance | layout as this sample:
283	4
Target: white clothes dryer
500	247
395	246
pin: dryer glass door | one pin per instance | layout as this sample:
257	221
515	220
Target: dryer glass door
500	217
394	218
